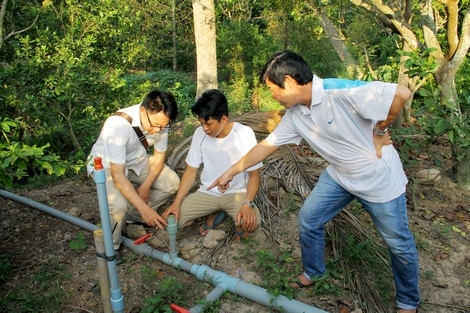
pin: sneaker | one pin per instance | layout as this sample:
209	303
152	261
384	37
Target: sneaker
117	256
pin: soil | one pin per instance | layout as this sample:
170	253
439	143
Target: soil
45	274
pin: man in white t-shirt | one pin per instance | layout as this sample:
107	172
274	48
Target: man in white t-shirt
216	145
134	179
346	123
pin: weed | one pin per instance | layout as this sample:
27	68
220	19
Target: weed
5	266
78	244
169	291
429	275
441	231
43	293
275	272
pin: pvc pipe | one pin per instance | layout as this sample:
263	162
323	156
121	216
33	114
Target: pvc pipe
117	300
234	285
211	297
171	230
102	271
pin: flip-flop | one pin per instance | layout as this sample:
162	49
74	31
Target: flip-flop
218	219
298	282
240	234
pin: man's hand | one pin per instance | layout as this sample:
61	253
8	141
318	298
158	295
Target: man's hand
246	218
381	141
144	193
172	209
223	182
153	219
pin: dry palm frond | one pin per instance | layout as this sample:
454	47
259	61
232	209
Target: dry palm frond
294	173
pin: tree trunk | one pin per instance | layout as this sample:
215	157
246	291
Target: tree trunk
205	34
335	38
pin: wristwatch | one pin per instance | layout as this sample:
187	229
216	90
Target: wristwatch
381	132
251	204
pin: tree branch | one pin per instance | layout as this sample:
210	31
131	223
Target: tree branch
13	33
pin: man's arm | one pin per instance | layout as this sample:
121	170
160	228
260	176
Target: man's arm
257	154
187	181
246	213
402	95
156	163
125	187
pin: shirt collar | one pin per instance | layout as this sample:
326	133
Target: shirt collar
317	95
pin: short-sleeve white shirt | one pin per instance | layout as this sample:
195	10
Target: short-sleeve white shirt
218	154
118	143
339	127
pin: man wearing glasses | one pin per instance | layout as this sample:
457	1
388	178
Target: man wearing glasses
137	183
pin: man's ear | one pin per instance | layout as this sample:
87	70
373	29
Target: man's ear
224	119
288	80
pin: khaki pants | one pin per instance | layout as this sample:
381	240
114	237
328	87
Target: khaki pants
200	204
165	185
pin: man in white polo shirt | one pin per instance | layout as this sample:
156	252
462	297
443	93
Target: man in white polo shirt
134	179
346	123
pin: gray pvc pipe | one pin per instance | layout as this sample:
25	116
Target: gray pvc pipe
221	280
117	300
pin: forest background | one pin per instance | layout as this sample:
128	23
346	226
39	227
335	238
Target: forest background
67	65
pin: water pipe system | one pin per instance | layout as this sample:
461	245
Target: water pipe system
117	300
222	281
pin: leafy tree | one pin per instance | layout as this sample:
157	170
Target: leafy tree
443	33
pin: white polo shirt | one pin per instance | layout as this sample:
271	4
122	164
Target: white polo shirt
339	127
118	142
218	154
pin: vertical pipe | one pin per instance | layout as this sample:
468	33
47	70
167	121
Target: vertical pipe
102	271
117	300
171	230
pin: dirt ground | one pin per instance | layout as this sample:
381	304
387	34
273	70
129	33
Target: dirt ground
39	244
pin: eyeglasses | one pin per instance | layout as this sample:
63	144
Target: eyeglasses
156	126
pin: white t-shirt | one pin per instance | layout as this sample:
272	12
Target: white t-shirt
339	127
118	143
218	154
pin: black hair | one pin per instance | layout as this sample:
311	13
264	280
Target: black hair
161	101
211	104
286	63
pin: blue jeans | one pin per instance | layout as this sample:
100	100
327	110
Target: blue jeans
326	200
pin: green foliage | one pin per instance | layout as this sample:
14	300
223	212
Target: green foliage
420	64
5	266
437	119
19	161
275	272
169	291
78	244
43	294
365	252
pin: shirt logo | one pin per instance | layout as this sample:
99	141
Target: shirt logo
331	121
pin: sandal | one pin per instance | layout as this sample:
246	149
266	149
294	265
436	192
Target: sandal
298	283
240	234
218	219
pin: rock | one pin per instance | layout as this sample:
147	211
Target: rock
297	254
135	231
428	176
74	211
211	240
188	249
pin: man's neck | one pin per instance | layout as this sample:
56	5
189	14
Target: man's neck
227	129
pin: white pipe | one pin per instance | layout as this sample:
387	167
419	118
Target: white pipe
203	272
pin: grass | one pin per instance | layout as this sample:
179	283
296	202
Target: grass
43	294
